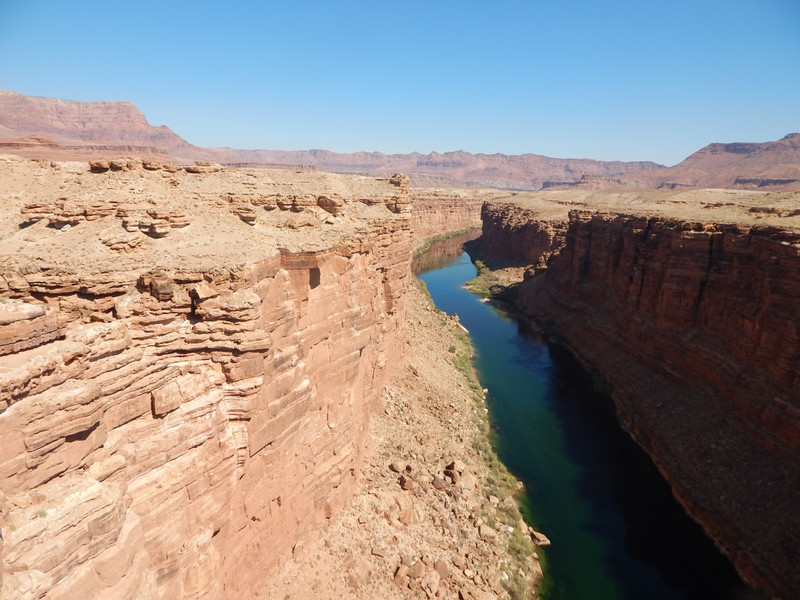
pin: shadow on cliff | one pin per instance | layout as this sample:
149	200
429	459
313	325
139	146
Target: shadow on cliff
617	477
656	529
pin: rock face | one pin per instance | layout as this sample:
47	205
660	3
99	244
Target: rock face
436	211
695	327
178	414
92	122
419	526
767	165
519	237
441	253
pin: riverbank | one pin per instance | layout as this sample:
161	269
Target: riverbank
691	323
435	516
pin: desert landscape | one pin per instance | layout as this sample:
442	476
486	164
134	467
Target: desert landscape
184	451
220	379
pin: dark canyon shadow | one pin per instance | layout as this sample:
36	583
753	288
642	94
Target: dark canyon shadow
621	478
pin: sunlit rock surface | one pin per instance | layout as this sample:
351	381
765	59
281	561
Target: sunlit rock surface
187	362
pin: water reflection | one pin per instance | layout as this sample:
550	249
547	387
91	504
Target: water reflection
443	252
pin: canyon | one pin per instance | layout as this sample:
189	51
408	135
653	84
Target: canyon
221	381
205	371
438	211
206	374
684	305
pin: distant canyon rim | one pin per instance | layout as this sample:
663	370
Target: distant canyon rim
71	130
199	363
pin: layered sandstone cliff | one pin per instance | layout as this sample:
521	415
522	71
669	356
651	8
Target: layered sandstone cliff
89	122
440	210
520	237
694	324
187	362
766	165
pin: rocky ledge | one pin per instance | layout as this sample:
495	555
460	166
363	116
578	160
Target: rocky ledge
188	361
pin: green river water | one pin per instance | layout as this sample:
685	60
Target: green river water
616	532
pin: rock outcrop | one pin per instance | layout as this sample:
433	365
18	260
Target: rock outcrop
694	324
429	521
89	122
767	165
179	415
520	237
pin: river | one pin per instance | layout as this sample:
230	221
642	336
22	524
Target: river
616	531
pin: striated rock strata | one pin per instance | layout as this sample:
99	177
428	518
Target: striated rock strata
694	324
436	517
520	237
436	211
183	407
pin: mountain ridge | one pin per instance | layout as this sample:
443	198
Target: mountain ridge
80	129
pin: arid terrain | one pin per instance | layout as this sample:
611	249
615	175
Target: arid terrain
69	130
222	381
209	377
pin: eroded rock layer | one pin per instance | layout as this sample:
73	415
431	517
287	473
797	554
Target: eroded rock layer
187	362
436	211
520	237
696	327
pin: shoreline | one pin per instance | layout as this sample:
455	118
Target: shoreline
416	526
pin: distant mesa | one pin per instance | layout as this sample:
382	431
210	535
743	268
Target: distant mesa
66	129
771	165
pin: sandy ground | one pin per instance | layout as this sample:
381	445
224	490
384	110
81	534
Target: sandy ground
459	538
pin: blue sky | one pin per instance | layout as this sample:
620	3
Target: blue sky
646	80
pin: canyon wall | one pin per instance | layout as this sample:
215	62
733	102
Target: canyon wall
520	237
436	211
188	361
694	325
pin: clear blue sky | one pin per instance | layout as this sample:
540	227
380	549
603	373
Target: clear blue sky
646	80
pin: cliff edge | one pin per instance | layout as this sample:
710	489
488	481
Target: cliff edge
188	360
685	303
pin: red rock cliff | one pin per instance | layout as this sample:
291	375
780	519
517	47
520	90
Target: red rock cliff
695	327
185	375
520	237
437	211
